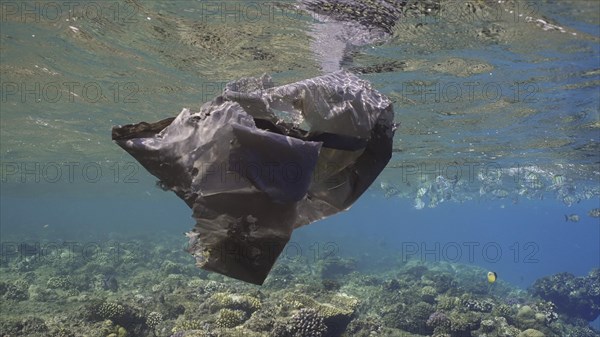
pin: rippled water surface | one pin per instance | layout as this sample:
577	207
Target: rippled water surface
488	88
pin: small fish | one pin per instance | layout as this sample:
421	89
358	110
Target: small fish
572	217
558	180
500	193
594	213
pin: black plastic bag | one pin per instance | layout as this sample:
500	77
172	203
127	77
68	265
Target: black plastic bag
259	161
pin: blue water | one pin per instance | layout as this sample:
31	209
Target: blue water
521	242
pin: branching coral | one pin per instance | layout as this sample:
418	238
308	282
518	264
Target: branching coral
308	323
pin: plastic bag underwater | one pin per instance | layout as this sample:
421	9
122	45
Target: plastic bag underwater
259	161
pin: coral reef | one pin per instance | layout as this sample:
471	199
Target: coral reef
428	294
245	303
59	282
153	319
461	324
531	333
577	297
307	323
111	310
414	299
228	318
411	318
336	314
472	304
439	322
15	291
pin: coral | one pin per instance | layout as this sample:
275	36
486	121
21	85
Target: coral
153	319
525	317
442	282
392	285
119	331
472	304
509	331
531	333
447	303
29	326
308	323
428	294
364	327
246	303
392	303
107	327
62	332
172	310
111	310
172	282
439	322
581	332
17	291
503	310
59	282
342	300
463	323
496	327
511	301
280	329
262	320
547	310
228	318
3	287
127	316
410	318
487	325
330	285
184	325
573	296
280	276
438	318
170	267
213	286
537	316
196	283
336	315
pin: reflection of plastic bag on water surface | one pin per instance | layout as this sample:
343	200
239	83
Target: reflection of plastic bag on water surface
259	161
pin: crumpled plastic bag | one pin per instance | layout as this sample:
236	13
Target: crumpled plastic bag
259	161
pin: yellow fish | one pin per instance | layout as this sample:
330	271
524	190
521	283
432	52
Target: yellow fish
491	276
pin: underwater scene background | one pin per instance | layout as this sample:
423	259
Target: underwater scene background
495	168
